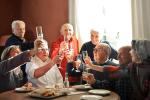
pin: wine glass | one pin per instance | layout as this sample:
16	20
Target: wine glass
39	32
84	55
85	72
78	62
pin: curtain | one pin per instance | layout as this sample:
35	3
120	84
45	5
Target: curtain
140	19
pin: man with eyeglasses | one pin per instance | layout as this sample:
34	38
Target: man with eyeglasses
42	71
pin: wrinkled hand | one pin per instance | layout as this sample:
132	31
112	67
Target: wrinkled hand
88	61
58	59
89	78
77	63
69	55
63	46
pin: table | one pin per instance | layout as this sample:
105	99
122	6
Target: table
12	95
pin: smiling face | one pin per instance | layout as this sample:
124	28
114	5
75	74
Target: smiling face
18	28
67	31
42	50
95	37
14	51
101	53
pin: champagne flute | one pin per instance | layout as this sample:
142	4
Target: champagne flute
39	32
79	57
85	69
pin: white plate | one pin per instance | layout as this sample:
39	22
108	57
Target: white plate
100	92
91	97
22	89
82	87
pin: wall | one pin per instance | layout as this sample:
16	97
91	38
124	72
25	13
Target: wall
51	14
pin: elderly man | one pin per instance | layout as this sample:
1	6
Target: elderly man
90	45
17	38
67	46
119	77
42	71
101	54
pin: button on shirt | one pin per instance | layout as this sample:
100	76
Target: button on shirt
50	78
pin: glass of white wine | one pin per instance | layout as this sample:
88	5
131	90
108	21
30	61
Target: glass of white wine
39	32
85	72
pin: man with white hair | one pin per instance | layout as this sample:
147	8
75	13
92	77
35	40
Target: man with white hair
42	71
95	39
17	38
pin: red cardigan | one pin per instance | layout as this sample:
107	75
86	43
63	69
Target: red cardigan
55	49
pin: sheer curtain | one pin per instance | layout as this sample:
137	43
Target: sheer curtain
141	19
111	17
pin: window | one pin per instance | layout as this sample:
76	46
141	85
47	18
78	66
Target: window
111	17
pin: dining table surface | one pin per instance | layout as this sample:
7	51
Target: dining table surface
13	95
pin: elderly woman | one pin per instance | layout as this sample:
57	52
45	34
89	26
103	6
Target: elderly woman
10	74
67	46
42	71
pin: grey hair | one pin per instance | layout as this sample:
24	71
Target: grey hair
5	54
94	30
40	42
105	47
66	24
16	22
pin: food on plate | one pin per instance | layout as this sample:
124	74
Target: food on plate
27	86
48	93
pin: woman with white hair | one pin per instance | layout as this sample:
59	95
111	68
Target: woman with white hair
42	71
67	46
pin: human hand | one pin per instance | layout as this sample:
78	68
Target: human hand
88	61
77	64
57	59
89	78
63	46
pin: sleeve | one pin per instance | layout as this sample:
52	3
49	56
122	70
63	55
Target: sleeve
30	69
23	45
101	84
26	46
14	62
83	48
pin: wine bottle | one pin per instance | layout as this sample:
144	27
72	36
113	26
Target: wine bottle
66	82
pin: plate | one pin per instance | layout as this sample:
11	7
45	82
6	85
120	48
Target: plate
82	87
91	97
23	89
100	92
36	95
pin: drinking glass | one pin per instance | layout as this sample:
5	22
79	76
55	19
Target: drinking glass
85	72
39	32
